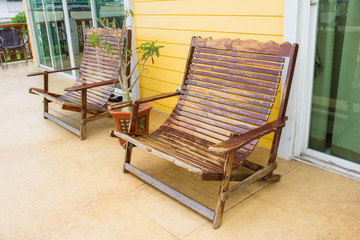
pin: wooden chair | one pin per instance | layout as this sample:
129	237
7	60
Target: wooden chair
93	86
227	95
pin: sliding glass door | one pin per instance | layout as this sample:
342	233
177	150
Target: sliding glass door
59	27
335	111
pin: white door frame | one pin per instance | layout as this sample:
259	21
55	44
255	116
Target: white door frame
300	23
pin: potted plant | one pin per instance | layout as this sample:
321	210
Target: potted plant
146	50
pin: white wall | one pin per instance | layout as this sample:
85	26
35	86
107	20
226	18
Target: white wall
9	9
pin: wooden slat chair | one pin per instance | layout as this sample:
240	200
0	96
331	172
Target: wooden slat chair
227	95
93	86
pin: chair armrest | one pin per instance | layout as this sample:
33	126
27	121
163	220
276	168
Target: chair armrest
55	71
91	85
142	100
241	140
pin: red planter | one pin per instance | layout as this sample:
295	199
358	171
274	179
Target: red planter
122	120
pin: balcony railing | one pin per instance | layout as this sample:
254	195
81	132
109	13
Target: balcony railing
17	55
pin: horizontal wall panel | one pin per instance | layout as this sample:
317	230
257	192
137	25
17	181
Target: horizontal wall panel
163	75
158	86
169	49
265	142
170	63
233	24
163	105
206	7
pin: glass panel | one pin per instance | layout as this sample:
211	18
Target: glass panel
40	32
79	19
57	34
110	10
335	113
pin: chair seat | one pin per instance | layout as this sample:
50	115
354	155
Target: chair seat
70	100
187	151
94	102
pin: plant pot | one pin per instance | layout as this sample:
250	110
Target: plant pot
122	120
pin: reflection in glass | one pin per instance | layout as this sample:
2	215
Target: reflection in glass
110	10
40	32
79	19
57	34
335	113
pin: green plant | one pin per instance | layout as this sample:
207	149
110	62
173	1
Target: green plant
19	18
147	50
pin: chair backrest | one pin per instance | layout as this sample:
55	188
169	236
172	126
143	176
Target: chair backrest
230	86
13	38
96	65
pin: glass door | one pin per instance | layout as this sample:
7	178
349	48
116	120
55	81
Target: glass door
40	32
110	11
55	24
58	27
80	17
51	38
335	109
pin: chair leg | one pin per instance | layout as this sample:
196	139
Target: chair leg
5	57
46	89
224	186
272	159
46	107
83	115
127	158
25	55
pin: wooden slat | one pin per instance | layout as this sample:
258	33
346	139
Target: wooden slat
238	79
74	97
195	134
92	95
232	65
249	116
246	120
210	161
261	57
211	122
180	155
209	116
241	108
176	140
236	59
198	68
240	100
90	64
250	46
196	140
241	86
249	97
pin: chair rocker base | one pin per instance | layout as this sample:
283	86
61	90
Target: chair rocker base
189	202
62	123
82	129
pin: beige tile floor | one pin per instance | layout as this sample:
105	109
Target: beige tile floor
54	186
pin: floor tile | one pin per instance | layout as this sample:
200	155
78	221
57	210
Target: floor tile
257	219
329	201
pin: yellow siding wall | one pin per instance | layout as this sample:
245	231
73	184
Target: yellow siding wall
174	22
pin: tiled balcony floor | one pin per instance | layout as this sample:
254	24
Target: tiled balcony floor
54	186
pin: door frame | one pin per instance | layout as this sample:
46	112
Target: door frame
300	24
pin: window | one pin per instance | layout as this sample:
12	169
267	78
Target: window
15	6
